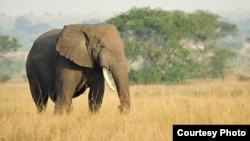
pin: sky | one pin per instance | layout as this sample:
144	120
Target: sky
37	7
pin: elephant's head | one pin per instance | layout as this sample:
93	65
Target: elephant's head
97	45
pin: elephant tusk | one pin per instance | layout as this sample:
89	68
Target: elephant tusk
106	77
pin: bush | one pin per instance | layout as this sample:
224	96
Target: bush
175	74
4	78
243	78
145	76
151	75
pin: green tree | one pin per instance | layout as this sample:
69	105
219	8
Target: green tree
221	62
208	30
154	35
176	44
7	45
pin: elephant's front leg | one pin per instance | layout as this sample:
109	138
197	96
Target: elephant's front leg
95	96
64	100
66	83
63	105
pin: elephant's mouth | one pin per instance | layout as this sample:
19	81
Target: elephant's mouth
106	77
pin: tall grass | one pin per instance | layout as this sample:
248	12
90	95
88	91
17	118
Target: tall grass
155	108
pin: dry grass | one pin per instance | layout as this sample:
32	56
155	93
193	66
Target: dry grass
155	108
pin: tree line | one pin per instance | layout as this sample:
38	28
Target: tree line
173	46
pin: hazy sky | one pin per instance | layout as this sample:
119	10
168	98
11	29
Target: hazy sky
20	7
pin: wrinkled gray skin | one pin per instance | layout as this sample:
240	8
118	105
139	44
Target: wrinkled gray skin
63	63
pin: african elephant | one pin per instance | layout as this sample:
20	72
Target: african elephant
63	63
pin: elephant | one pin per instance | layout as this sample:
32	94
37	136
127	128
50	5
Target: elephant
63	63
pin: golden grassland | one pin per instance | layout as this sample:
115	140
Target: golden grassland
155	108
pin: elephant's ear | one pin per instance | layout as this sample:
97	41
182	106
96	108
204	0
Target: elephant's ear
73	44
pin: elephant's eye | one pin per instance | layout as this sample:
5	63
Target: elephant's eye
102	46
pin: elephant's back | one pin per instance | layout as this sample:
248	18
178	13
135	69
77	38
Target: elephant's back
46	40
44	45
42	55
50	34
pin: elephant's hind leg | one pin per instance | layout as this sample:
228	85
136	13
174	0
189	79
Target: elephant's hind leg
41	104
39	96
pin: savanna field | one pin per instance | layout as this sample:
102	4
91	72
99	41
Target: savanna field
155	108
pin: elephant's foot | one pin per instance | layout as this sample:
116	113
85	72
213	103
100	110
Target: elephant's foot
124	109
63	108
41	109
94	108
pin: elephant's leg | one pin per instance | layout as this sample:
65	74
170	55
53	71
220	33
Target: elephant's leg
95	96
41	104
63	105
64	99
39	96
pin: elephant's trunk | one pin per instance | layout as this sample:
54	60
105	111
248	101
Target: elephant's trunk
120	75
